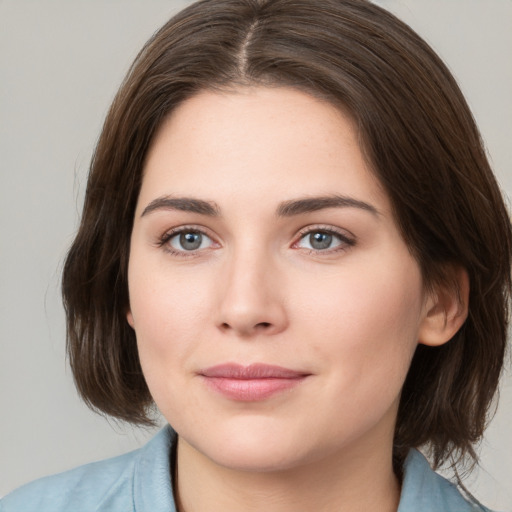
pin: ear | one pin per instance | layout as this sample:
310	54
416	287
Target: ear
129	318
446	309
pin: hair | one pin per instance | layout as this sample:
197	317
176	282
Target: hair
420	140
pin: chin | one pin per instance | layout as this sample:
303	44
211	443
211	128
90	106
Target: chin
255	459
254	449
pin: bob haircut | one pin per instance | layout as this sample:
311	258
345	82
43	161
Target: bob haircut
419	138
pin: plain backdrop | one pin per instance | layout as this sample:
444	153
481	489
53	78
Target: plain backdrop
61	62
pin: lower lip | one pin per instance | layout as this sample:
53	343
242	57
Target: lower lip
251	390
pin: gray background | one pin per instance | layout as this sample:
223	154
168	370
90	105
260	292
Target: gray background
61	62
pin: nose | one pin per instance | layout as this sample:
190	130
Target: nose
251	297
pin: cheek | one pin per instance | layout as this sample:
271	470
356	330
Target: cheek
365	333
168	310
172	314
369	317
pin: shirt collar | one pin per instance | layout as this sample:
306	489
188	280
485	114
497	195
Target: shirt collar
152	485
423	490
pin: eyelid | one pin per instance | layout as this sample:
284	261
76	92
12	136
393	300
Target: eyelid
347	238
163	240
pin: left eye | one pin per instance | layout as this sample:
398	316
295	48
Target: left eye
189	241
322	240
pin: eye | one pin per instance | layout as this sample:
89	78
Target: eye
324	240
187	241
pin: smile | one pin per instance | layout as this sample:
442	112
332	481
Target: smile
251	383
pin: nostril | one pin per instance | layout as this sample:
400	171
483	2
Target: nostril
248	328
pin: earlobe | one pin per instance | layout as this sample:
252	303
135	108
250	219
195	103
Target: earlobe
129	318
446	309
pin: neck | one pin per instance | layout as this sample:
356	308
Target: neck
357	481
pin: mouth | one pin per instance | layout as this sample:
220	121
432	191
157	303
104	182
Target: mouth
251	383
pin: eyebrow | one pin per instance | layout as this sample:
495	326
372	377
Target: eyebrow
285	209
184	204
312	204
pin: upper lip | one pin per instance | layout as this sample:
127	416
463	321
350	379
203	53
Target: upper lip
252	371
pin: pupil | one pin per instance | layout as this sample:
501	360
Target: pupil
190	241
320	240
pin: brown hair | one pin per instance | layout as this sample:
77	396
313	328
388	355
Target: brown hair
419	138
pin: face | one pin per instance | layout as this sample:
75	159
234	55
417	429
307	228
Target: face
275	304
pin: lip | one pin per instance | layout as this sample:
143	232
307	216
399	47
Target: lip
251	383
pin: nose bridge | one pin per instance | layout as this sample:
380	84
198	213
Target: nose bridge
250	300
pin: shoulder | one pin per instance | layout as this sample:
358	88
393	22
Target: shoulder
424	490
84	487
113	484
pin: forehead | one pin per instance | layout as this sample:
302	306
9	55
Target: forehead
276	143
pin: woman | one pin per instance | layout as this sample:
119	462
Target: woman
292	243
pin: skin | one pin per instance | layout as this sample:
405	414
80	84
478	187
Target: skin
348	316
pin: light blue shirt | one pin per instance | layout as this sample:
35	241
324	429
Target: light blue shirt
139	481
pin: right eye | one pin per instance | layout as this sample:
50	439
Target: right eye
189	241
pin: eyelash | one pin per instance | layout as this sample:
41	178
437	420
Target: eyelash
164	240
346	241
